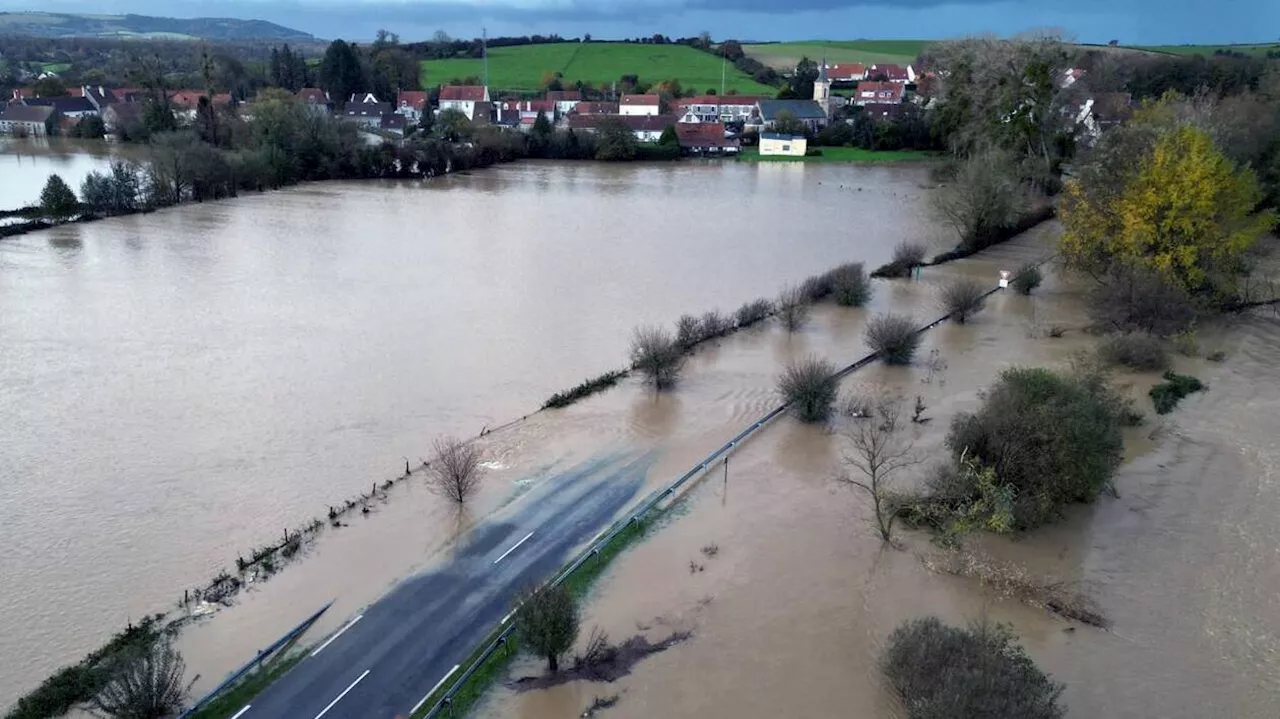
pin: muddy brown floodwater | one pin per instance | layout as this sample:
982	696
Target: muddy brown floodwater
790	615
25	165
180	387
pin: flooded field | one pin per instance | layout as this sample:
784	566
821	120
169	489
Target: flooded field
181	387
25	165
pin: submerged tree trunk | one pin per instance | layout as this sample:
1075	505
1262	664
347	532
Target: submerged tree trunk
553	663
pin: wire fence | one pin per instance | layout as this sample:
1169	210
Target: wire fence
647	505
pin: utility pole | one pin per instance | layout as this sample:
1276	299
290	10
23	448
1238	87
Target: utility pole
484	49
720	116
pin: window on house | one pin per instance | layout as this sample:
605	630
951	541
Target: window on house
786	148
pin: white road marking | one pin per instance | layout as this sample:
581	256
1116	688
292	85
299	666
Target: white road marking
335	636
241	712
504	619
343	694
424	699
514	547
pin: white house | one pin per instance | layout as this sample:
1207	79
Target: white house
30	120
463	98
640	105
716	108
411	104
564	101
772	143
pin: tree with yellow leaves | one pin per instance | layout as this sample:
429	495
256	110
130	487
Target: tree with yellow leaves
1182	210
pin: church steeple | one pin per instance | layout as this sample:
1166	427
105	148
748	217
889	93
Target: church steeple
822	87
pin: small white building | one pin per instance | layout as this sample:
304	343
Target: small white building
640	105
775	144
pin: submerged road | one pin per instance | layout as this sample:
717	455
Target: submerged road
384	662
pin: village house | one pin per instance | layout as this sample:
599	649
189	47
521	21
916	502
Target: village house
470	100
640	105
564	101
185	102
367	114
766	112
881	111
846	74
119	116
67	106
99	97
28	120
878	93
772	143
705	138
596	108
646	128
1070	76
393	122
1101	112
410	104
891	73
316	100
714	108
523	113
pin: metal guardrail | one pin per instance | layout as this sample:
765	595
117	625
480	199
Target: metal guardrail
652	501
259	659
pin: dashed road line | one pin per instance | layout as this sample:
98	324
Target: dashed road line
424	699
335	636
514	547
242	711
343	694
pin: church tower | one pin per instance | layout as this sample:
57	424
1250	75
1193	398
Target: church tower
822	88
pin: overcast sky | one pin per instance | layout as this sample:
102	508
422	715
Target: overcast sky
1129	21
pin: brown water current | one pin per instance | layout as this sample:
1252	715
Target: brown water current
791	613
180	387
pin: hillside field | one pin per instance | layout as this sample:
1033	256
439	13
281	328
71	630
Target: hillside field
785	55
521	68
1207	50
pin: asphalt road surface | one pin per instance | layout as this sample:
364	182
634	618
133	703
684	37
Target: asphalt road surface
383	662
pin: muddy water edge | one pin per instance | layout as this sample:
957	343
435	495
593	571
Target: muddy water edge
793	608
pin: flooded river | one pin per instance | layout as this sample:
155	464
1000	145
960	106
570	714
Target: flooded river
26	164
179	387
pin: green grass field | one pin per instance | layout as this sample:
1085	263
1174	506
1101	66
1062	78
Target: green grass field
1207	50
841	154
521	68
55	67
785	55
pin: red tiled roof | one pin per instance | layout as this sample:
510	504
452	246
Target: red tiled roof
637	123
416	99
879	90
703	134
846	71
563	96
22	93
893	72
596	108
463	93
639	100
190	99
313	96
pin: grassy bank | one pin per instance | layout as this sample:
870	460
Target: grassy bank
522	68
235	699
842	154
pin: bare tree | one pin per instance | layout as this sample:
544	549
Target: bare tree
658	354
455	468
877	450
985	198
149	686
548	621
793	308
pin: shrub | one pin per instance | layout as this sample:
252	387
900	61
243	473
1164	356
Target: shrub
149	686
752	312
1141	352
688	331
905	257
586	389
816	288
1027	278
984	201
944	672
1129	300
1166	395
810	387
894	337
850	285
793	309
713	325
962	298
655	352
1050	440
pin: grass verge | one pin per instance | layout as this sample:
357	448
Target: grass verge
235	698
586	389
579	583
841	154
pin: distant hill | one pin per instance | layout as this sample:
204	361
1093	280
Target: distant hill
47	24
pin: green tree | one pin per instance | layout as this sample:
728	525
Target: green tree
787	123
57	199
1183	210
453	125
548	622
801	81
669	136
51	86
340	71
615	142
540	135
